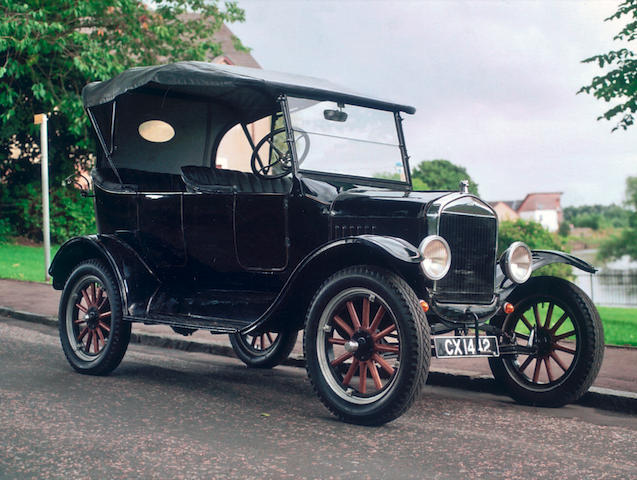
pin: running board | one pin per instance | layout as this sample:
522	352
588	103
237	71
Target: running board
195	322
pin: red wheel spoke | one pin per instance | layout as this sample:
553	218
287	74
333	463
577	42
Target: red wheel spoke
100	335
564	335
547	364
85	310
254	341
350	372
536	372
105	314
559	323
536	314
526	363
104	300
353	315
344	326
377	319
100	295
557	359
95	343
385	332
386	348
374	372
270	338
336	341
89	339
82	333
549	313
362	375
383	364
78	321
341	359
104	326
86	299
526	323
564	349
365	321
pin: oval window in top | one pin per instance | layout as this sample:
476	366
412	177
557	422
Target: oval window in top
156	131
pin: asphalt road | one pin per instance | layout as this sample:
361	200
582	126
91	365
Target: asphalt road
171	414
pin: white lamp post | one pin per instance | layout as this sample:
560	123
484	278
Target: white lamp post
42	119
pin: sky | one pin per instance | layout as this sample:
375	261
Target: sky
494	83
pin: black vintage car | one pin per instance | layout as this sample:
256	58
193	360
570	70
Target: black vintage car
313	224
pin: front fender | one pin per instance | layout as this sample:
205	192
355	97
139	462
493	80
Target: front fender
546	257
135	279
385	252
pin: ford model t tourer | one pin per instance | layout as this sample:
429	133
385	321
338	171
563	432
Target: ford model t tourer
258	204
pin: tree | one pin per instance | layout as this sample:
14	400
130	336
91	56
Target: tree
536	237
620	83
440	175
624	243
50	49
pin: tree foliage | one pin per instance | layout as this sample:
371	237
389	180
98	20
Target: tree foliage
597	216
537	238
50	49
624	243
620	82
440	175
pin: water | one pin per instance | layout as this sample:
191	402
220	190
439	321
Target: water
614	285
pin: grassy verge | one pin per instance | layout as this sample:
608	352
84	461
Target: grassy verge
22	262
620	325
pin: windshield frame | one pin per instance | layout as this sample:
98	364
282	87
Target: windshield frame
381	182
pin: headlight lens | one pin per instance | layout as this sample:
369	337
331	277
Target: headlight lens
517	262
437	257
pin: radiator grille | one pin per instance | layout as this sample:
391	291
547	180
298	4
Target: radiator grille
472	240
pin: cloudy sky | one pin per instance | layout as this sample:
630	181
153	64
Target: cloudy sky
493	82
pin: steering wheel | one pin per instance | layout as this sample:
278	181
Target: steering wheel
280	159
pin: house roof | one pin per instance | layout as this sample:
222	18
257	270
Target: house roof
237	57
540	201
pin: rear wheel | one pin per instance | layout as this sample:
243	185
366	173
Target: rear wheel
366	345
558	319
263	350
93	335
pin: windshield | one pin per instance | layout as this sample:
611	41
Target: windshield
346	139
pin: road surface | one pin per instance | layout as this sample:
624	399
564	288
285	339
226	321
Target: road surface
172	414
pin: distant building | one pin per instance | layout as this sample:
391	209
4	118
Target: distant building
542	207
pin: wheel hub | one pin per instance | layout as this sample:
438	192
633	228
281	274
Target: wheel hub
364	345
544	342
92	318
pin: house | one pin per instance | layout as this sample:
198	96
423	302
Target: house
542	207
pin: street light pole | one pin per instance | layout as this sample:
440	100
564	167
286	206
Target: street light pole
42	119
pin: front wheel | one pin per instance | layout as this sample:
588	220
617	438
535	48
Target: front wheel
93	334
263	350
366	345
557	319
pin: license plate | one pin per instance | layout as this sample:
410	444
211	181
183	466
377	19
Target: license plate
455	347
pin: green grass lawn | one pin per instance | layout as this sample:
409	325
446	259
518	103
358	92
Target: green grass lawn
23	262
27	263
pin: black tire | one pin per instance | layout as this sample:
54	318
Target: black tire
570	338
90	318
266	350
401	356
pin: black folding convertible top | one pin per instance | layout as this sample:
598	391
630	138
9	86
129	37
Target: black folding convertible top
241	86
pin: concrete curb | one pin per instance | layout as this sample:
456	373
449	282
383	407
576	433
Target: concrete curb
596	397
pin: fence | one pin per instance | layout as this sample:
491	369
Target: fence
611	288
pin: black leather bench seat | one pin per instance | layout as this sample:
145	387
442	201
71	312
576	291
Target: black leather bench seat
201	179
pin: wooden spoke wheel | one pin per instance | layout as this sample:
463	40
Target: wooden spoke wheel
264	349
93	335
364	345
561	324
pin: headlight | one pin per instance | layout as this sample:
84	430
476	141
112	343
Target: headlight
516	262
437	257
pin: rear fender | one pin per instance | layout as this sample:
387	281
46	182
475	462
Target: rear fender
135	279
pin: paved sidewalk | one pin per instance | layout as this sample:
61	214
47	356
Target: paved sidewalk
618	372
